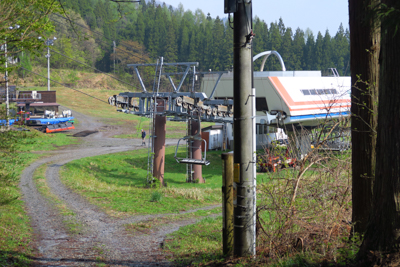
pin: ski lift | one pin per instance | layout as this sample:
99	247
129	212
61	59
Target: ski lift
190	139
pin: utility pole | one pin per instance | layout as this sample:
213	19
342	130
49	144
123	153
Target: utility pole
7	97
114	55
244	176
48	43
6	79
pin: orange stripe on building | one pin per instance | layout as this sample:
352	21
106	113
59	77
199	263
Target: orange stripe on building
330	107
290	102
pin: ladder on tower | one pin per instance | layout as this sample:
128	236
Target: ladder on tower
189	167
153	112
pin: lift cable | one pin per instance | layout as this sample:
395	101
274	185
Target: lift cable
65	85
91	67
98	33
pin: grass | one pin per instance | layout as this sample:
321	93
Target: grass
117	183
197	243
145	226
108	115
47	142
15	230
318	197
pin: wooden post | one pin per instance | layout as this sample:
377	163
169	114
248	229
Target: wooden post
227	203
196	152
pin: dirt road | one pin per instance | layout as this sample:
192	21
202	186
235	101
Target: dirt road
102	240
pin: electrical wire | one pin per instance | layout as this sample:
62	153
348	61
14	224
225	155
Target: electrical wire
65	85
124	51
91	67
250	22
229	21
128	1
100	34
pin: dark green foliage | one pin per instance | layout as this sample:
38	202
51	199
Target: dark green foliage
298	49
186	36
341	52
25	62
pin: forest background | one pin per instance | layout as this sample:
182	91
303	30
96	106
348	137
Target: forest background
142	32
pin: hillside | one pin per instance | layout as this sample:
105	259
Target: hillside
107	37
71	78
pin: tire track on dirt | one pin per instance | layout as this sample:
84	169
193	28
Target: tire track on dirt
102	239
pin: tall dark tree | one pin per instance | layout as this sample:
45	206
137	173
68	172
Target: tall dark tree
274	42
207	37
308	59
286	50
227	49
170	52
161	20
298	49
365	48
383	230
341	51
140	28
317	57
327	48
194	41
260	29
218	45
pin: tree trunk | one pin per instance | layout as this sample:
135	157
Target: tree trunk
384	225
364	64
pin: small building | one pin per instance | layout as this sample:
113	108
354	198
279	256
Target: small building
48	101
215	137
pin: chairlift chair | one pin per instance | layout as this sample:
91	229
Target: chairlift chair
202	161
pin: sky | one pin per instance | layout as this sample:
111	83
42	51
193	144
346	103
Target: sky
318	15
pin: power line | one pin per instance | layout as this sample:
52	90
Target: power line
100	34
128	1
65	85
91	67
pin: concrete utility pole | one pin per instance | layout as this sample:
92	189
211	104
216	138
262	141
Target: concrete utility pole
6	79
244	176
114	55
7	93
48	43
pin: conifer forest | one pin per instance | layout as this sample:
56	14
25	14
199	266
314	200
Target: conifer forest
108	36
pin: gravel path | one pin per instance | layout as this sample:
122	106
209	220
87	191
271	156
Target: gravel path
102	240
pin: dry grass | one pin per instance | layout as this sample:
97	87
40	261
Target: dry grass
307	209
190	193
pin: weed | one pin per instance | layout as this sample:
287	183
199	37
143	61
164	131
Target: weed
189	193
197	243
156	196
15	230
305	210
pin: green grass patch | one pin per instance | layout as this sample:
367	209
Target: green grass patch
117	182
15	233
145	226
196	244
15	230
46	142
108	114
